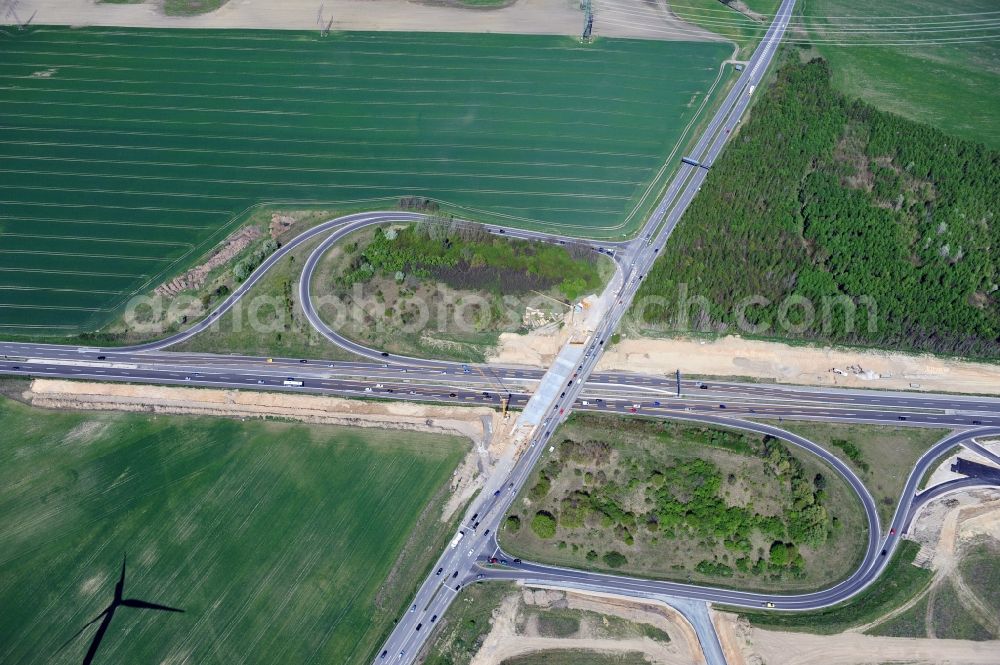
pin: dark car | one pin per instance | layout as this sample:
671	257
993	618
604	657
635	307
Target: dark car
563	395
452	395
703	386
486	533
102	357
722	406
303	361
440	570
884	552
385	354
384	653
434	618
419	626
517	561
900	417
974	422
454	575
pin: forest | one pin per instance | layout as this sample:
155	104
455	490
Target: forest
828	220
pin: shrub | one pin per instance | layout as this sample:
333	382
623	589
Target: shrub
544	524
614	559
513	523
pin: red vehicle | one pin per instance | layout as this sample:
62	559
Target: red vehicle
493	559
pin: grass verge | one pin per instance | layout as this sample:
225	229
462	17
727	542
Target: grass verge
881	455
900	581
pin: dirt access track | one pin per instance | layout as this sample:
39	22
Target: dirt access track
540	17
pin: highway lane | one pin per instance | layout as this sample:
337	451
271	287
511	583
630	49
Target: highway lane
557	392
501	379
309	307
340	227
397	384
879	551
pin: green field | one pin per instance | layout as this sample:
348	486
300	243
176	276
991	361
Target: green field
940	70
281	543
126	153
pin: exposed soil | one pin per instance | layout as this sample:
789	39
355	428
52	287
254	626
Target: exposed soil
546	17
505	641
223	254
738	357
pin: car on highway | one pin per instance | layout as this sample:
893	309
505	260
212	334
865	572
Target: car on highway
517	561
419	626
480	576
892	532
439	571
454	575
384	653
102	357
434	618
303	361
385	354
768	604
722	406
974	422
452	395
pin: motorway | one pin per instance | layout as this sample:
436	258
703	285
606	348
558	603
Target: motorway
546	398
606	392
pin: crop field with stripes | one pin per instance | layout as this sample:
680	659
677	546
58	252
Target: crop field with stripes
126	153
281	543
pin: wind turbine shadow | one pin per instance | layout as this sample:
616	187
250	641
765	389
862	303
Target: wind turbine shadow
109	613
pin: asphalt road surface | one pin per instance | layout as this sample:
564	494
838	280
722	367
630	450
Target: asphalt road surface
719	403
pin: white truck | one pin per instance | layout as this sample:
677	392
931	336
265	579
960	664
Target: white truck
457	539
292	382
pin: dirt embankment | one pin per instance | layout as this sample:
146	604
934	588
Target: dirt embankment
510	636
543	17
484	426
802	365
